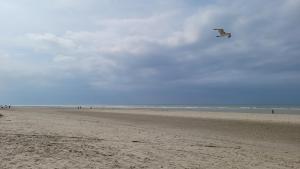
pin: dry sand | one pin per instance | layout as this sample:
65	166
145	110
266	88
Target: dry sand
147	138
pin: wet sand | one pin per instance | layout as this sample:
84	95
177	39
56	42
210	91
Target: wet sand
147	138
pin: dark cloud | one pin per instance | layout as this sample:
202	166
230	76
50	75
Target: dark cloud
165	53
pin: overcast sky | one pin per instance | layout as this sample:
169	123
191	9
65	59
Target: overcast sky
149	52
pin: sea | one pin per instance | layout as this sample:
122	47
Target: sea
260	109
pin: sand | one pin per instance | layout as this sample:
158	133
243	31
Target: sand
147	138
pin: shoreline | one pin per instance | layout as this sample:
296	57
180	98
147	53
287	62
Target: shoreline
278	128
256	109
254	117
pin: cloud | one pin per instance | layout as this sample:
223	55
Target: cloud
137	39
160	48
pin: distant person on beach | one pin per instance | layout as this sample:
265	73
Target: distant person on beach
273	111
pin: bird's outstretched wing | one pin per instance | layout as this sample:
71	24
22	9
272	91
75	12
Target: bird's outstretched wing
221	31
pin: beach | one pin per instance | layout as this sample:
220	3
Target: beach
57	137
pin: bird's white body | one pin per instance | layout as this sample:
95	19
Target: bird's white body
223	33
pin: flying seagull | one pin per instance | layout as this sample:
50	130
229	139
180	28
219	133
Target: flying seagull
223	33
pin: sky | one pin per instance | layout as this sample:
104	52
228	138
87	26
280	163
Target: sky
149	52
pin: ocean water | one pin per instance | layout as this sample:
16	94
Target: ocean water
261	109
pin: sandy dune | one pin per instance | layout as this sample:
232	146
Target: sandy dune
144	138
